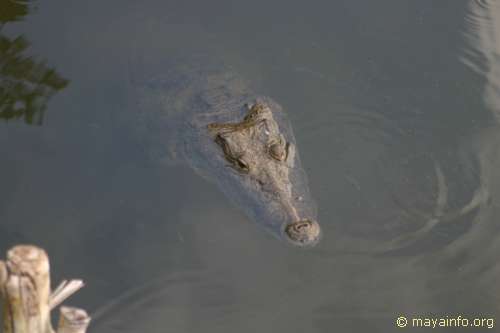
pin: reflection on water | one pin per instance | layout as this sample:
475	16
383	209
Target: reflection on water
26	84
483	53
13	10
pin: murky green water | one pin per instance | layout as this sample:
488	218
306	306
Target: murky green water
395	106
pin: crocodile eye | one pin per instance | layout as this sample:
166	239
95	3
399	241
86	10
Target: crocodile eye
236	160
279	150
253	112
242	165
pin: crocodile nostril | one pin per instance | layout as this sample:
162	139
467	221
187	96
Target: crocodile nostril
303	233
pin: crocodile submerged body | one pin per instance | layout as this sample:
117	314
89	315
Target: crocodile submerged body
207	117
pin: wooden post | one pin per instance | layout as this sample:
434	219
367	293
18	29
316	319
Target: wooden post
73	320
25	289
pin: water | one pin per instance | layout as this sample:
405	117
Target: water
395	106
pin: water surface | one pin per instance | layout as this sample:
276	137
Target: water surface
395	106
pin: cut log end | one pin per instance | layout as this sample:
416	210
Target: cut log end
73	320
27	258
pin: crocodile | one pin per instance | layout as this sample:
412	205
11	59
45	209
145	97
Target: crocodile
208	117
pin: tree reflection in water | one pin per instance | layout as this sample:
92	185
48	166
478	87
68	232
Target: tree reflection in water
26	84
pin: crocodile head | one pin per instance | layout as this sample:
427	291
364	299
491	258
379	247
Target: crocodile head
257	165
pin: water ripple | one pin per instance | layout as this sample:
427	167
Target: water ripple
484	3
481	33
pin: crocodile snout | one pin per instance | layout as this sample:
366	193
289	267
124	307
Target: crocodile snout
303	232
